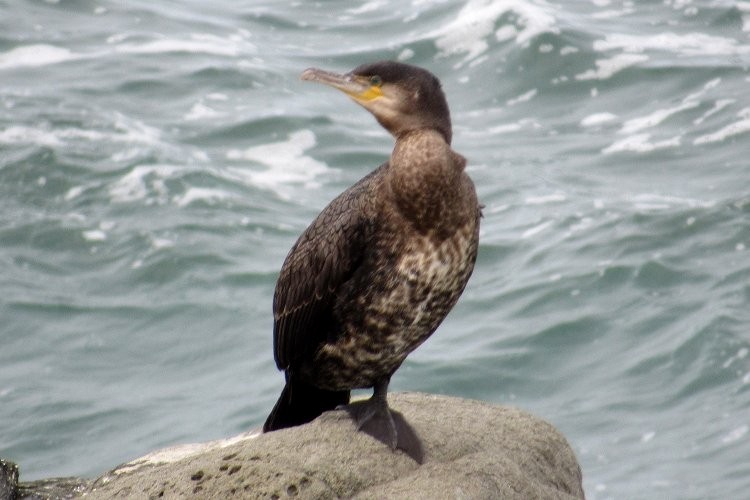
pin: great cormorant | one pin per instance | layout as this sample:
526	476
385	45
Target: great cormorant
382	265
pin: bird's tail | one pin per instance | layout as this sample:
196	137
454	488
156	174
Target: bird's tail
300	403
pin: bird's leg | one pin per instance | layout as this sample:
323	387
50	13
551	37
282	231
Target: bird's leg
374	417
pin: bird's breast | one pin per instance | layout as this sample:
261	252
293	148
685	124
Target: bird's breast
408	294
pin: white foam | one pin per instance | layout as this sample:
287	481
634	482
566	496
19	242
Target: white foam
606	68
706	87
526	96
568	49
583	224
536	229
507	128
141	181
739	127
367	7
196	43
286	164
718	106
505	33
19	134
688	44
200	111
640	143
735	434
159	243
95	235
35	55
545	199
744	7
126	130
78	133
496	209
74	192
651	120
741	354
468	32
405	55
117	38
612	13
206	195
135	131
597	119
125	155
646	201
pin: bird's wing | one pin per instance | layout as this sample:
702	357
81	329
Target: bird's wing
320	262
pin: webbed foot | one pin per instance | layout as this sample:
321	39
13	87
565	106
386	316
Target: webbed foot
375	418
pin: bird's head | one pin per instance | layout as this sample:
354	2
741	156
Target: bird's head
400	96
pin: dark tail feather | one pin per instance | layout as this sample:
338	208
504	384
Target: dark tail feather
300	403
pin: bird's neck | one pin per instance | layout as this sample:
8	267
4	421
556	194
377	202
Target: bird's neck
444	130
424	178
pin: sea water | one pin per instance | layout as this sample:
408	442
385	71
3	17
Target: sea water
158	160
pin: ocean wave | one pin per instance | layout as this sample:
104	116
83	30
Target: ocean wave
641	143
35	55
287	172
597	119
208	196
142	182
682	44
286	164
471	31
123	129
233	45
741	126
607	68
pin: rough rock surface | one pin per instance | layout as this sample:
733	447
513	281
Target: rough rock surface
471	450
8	479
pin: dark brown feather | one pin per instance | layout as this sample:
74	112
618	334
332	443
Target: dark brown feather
378	270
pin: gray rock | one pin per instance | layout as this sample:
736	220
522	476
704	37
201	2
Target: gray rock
471	450
8	480
59	488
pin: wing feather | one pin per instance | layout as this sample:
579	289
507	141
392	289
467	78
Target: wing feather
324	257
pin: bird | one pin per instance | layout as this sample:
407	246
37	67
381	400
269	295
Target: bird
381	266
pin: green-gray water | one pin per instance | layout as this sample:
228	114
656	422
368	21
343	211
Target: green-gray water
158	160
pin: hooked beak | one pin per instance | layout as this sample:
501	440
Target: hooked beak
357	87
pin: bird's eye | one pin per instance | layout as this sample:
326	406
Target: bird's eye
376	81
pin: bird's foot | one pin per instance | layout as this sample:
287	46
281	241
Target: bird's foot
373	417
387	426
